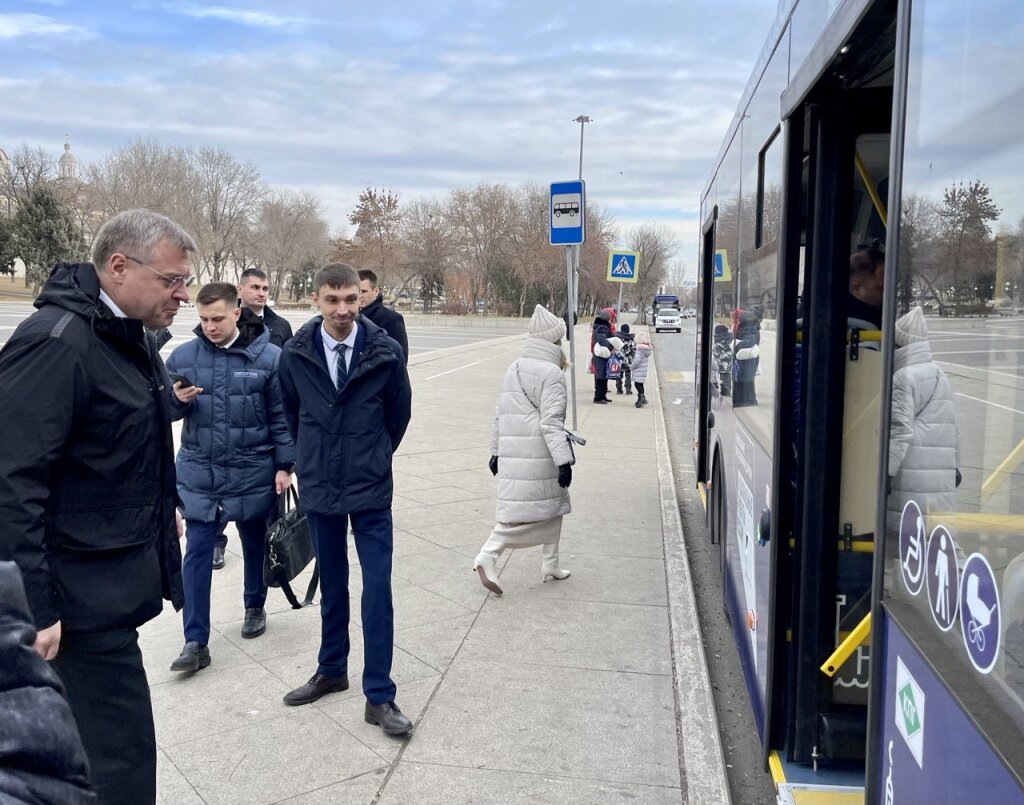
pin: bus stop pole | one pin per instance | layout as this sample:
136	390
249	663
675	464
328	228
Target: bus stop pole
618	308
570	305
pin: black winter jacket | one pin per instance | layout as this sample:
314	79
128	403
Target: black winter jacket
344	439
390	321
280	328
41	755
87	485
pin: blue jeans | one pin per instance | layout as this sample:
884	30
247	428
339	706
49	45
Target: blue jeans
197	571
373	535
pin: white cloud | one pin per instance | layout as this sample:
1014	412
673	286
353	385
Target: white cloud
13	26
256	19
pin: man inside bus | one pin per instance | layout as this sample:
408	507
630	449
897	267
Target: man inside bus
867	276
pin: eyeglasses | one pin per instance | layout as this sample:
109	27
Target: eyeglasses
170	282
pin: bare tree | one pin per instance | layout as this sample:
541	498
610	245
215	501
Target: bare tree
27	169
429	246
377	219
226	195
656	245
290	233
481	219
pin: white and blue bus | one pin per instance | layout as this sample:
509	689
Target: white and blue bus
859	409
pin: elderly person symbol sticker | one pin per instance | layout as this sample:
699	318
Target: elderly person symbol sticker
941	582
979	612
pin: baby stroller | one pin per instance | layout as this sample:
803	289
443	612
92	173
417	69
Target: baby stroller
721	354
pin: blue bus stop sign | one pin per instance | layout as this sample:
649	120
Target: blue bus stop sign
567	209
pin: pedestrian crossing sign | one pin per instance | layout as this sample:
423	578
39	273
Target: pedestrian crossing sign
622	266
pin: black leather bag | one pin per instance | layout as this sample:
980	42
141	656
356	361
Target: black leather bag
289	549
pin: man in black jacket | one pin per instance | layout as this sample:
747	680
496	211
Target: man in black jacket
254	290
348	402
371	306
42	761
87	483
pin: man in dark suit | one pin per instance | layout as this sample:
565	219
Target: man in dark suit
348	402
254	291
372	307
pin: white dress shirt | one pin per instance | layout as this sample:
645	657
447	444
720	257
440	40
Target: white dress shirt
332	357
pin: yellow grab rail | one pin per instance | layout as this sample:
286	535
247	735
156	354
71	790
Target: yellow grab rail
843	651
869	185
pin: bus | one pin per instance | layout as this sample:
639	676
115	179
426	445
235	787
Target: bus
860	455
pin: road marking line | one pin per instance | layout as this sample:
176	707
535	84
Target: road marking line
457	369
989	402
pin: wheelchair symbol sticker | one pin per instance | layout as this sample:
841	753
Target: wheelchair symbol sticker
941	579
979	612
912	547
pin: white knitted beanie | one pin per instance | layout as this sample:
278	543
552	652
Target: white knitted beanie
545	325
910	328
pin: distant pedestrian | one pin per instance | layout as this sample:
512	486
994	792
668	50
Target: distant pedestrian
530	453
628	353
924	444
639	368
372	307
348	401
87	492
600	332
235	455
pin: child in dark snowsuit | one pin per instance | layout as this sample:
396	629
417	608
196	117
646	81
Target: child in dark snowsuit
628	352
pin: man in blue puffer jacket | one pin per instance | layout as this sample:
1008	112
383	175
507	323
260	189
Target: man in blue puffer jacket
235	455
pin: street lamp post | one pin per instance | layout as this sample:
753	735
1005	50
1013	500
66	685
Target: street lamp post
572	284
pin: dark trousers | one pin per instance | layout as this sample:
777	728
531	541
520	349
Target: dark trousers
373	535
197	572
639	388
627	377
109	697
600	389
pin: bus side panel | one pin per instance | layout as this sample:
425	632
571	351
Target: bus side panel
925	735
747	575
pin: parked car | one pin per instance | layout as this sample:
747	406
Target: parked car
668	319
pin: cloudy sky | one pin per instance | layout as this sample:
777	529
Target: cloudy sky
332	96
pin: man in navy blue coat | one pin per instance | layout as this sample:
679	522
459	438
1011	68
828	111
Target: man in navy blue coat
348	403
235	455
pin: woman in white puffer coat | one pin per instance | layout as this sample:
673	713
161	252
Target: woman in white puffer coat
530	453
923	439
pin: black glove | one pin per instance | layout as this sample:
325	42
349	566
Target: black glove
959	477
564	476
493	464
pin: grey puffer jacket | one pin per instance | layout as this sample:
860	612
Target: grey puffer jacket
528	437
640	361
923	437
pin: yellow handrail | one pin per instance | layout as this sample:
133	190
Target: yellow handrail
869	185
843	651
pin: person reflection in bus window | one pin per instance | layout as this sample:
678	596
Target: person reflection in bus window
924	448
746	354
867	276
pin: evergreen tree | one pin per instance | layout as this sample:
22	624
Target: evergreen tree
45	233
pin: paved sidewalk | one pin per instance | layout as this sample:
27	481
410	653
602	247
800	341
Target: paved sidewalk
564	692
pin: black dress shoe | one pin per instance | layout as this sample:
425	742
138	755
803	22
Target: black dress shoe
388	717
601	402
192	657
318	685
255	622
218	557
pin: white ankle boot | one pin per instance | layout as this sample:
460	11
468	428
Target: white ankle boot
484	565
549	569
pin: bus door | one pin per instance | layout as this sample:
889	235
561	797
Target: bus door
844	125
706	391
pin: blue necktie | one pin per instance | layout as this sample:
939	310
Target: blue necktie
342	371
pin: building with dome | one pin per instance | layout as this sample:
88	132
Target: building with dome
67	165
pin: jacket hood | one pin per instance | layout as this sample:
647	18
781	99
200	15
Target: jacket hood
910	328
73	286
253	335
542	350
917	352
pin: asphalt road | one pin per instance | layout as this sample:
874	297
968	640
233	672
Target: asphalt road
421	339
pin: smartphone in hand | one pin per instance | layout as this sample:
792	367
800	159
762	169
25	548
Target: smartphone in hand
185	382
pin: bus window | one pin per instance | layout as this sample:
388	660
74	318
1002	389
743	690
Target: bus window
956	456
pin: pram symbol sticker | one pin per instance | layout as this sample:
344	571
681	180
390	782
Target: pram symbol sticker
941	578
979	612
912	547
